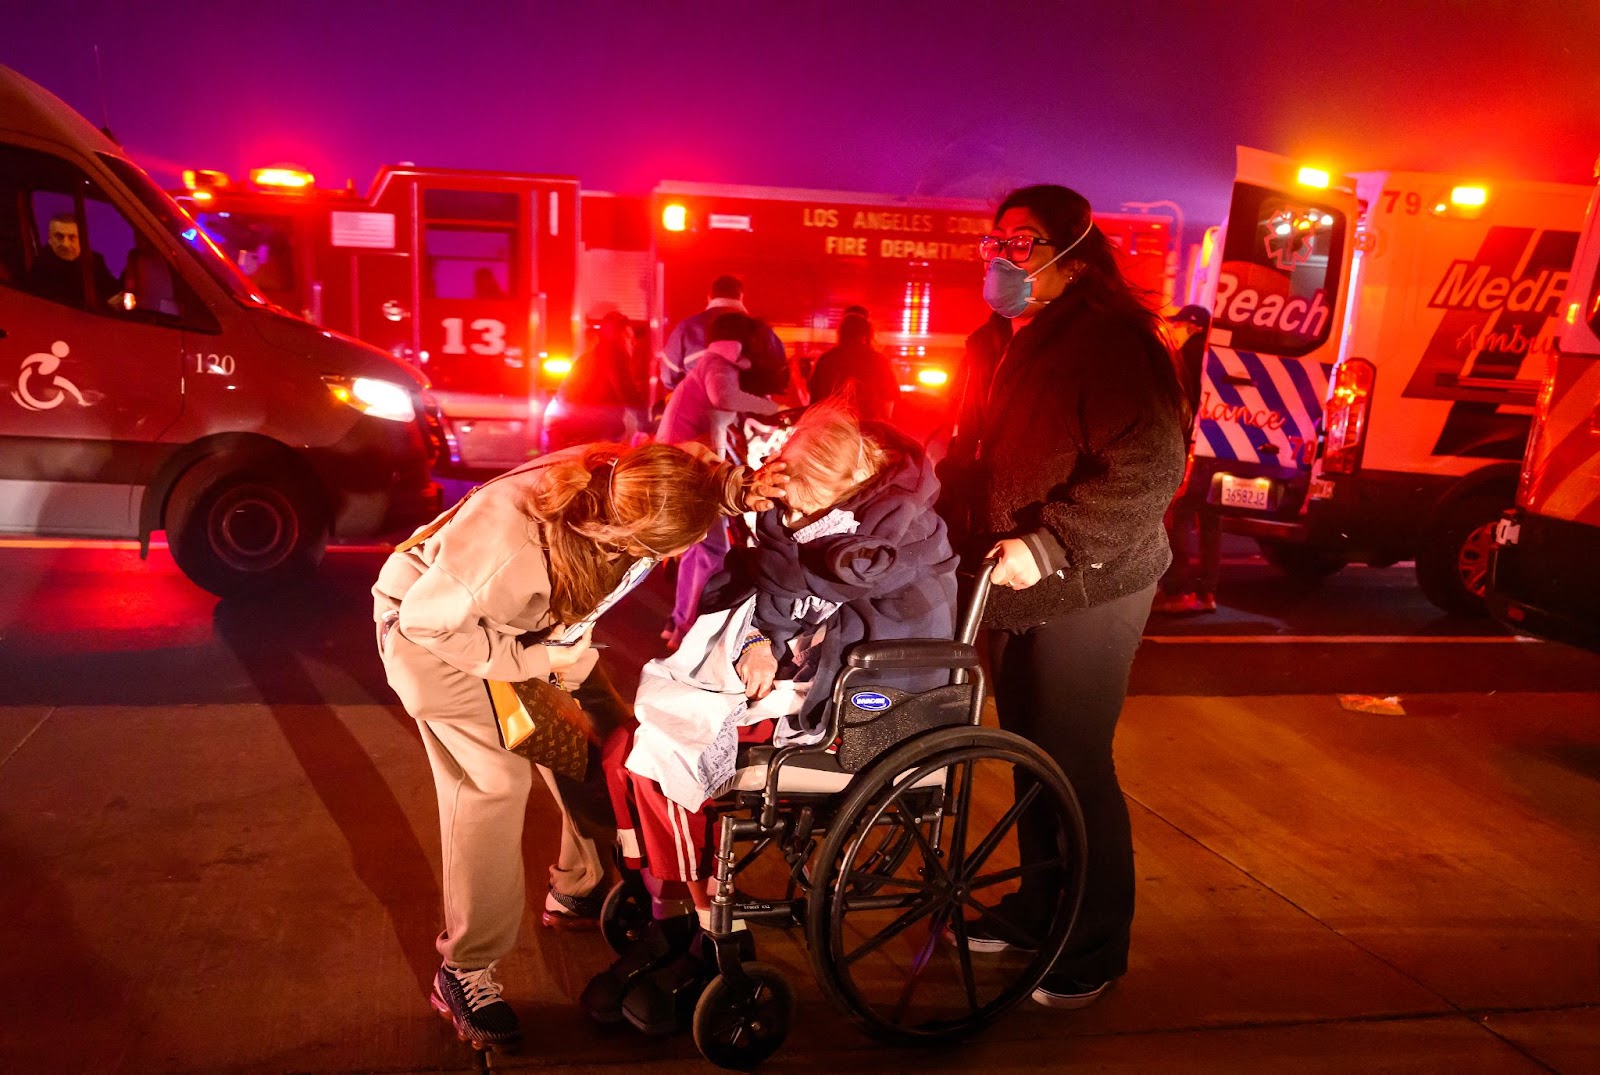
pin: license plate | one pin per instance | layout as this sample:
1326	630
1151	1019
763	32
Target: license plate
1252	493
1321	489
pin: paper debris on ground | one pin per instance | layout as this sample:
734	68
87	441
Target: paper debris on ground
1371	703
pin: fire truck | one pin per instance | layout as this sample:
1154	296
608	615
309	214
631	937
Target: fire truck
1377	345
470	276
806	255
1546	567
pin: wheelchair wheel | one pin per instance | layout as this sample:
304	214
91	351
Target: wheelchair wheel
891	947
625	914
739	1026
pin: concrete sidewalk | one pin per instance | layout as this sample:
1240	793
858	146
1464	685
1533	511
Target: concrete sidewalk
254	888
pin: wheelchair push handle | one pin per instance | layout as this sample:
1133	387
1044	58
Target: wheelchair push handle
973	616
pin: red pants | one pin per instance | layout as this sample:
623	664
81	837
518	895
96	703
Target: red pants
654	831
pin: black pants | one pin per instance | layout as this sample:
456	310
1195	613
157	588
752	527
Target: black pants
1062	685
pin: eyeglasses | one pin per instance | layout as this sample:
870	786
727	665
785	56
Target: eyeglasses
1017	249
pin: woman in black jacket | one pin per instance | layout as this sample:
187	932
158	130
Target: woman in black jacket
1068	447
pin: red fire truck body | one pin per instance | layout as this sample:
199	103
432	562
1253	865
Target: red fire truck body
806	255
471	276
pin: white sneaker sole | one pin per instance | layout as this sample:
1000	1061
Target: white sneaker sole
986	945
1068	1002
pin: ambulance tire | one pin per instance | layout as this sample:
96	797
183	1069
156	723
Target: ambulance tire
1300	562
1453	560
245	525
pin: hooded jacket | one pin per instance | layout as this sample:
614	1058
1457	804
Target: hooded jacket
892	577
1069	435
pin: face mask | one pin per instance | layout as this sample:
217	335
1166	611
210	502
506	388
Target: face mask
1008	287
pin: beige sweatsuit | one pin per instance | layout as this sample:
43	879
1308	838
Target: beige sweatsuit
465	597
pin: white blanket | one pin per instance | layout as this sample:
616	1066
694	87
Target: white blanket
691	706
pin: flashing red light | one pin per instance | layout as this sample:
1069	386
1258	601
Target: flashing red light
198	179
675	217
282	176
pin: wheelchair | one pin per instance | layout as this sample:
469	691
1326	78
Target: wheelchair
896	831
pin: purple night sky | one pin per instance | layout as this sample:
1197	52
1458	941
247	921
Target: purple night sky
1126	101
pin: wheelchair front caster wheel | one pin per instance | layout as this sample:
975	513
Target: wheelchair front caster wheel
738	1026
625	914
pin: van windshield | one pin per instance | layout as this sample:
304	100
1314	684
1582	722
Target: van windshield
182	228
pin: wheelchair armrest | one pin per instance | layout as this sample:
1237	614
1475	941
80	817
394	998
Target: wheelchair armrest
901	653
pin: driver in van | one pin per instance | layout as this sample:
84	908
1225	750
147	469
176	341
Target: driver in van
57	273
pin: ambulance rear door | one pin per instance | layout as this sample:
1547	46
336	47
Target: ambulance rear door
1561	478
1281	283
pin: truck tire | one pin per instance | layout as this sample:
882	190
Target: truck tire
1453	560
1302	563
241	526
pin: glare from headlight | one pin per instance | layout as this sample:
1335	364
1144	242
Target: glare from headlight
381	399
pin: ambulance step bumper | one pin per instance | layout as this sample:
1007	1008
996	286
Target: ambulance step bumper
1271	529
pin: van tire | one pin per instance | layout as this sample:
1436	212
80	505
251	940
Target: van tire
1303	563
245	525
1453	560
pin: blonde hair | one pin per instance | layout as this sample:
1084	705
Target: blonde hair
827	452
601	503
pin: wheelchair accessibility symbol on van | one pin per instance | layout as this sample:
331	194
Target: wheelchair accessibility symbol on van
39	375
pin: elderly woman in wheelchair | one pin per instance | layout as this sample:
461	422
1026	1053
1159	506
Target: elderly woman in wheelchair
820	702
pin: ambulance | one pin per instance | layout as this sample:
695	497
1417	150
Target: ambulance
469	276
146	385
1546	567
1377	345
806	255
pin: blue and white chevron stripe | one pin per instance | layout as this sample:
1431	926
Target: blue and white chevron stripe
1235	384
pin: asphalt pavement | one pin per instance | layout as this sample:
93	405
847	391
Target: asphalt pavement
219	848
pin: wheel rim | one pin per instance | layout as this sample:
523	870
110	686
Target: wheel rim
884	948
1472	559
741	1027
253	527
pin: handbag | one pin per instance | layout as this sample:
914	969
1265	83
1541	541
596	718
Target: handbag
543	723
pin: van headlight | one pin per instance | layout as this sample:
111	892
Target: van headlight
381	399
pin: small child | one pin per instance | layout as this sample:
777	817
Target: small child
855	554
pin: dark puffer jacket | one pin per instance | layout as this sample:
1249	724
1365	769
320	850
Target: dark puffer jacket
1068	436
895	577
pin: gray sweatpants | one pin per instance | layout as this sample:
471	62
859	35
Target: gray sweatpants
483	798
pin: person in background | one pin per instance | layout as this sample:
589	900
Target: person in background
688	338
478	594
1194	530
600	400
856	370
703	409
1068	446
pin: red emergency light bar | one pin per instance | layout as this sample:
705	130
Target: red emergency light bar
282	176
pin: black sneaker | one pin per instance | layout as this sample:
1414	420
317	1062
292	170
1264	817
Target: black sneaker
562	911
989	935
471	1000
1069	994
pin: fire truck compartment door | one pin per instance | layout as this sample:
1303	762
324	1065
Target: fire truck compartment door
385	304
1282	281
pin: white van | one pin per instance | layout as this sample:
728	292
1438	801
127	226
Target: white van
146	385
1377	345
